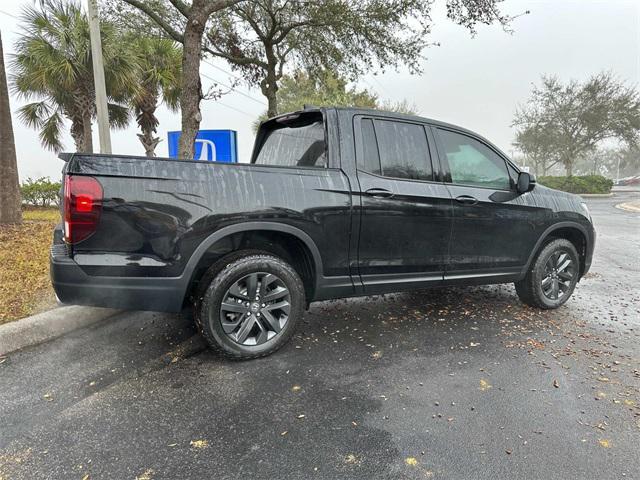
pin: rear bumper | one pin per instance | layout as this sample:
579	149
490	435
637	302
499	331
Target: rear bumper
73	286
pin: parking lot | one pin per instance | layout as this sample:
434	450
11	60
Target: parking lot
444	383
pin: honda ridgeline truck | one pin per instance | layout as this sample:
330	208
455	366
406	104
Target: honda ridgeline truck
336	202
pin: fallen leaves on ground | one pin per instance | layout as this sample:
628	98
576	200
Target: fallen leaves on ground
412	461
199	443
535	344
604	443
484	385
351	459
146	475
25	287
11	462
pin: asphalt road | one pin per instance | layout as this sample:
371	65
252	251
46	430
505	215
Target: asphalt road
450	383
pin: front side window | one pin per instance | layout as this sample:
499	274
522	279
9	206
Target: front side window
473	163
395	149
299	145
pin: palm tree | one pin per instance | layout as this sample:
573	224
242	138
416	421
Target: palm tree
160	74
53	64
10	211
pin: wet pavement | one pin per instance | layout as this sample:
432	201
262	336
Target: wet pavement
447	383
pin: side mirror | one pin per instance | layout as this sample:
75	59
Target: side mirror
526	182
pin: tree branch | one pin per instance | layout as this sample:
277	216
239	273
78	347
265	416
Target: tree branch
248	17
236	60
213	6
182	7
286	29
148	10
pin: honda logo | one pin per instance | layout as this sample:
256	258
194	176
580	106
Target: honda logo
207	149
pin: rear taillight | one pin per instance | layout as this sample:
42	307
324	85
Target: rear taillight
82	207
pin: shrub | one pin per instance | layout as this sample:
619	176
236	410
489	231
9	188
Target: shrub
578	184
41	192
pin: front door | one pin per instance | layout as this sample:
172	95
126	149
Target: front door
492	233
405	221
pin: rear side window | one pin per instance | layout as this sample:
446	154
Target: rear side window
369	161
395	149
473	163
299	145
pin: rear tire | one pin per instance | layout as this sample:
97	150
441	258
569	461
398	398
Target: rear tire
251	307
552	276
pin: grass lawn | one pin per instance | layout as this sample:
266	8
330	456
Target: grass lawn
25	288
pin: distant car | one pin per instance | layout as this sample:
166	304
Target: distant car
335	203
628	181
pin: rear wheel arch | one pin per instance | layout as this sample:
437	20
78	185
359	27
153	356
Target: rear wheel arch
284	241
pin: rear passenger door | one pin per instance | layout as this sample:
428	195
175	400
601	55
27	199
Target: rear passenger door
405	220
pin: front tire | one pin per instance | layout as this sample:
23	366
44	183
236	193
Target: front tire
552	276
251	307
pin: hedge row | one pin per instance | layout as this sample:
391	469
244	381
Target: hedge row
41	192
579	184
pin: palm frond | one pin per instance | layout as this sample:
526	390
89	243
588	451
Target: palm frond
50	134
119	115
33	114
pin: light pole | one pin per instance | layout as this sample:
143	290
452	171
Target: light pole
98	77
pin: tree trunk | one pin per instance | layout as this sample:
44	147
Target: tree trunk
77	132
146	118
191	86
10	198
569	168
87	136
83	109
269	87
149	142
272	101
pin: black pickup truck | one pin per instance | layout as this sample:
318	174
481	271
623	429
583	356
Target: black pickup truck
336	202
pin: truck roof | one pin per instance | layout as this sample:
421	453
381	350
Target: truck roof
389	114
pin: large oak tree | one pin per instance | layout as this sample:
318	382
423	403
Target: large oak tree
262	38
566	121
184	22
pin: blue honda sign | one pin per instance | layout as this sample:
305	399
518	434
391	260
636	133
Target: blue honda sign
210	145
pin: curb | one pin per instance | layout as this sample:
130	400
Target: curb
597	195
49	325
623	190
629	207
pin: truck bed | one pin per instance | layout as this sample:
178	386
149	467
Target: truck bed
157	214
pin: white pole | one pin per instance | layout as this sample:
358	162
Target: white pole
98	78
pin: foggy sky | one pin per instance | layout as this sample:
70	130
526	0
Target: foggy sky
475	82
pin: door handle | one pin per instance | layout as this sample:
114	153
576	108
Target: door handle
379	192
466	200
